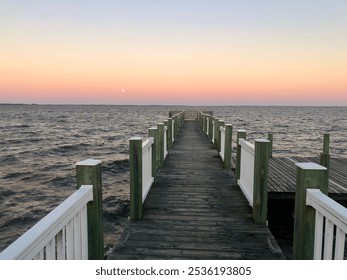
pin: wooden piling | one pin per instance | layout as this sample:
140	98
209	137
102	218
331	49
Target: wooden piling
325	158
88	172
270	138
210	130
227	149
260	190
309	176
176	126
215	131
241	133
135	159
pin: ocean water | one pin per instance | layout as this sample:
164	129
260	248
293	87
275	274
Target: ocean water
40	144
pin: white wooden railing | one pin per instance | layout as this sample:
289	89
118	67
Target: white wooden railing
246	181
331	222
207	126
222	142
147	178
213	124
60	235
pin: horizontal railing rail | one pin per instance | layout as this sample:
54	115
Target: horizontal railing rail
62	234
330	223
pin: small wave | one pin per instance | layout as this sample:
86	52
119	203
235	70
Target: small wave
117	166
19	126
14	175
62	181
9	160
68	148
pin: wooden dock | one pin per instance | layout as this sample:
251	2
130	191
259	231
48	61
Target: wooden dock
282	177
195	211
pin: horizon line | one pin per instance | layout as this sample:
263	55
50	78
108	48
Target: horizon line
167	105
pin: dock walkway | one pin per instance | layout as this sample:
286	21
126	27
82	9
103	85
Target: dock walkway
195	211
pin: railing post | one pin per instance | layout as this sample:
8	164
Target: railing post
216	128
270	138
169	133
135	158
210	132
325	158
227	148
176	126
152	132
309	176
260	187
240	134
88	172
160	151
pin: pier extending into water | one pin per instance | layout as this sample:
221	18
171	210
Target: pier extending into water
191	199
195	210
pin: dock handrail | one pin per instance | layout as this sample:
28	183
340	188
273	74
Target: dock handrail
317	217
147	176
222	142
60	235
146	157
329	215
246	181
73	230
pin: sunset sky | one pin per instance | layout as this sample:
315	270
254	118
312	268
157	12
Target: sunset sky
193	52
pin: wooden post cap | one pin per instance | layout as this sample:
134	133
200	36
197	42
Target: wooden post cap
310	166
88	162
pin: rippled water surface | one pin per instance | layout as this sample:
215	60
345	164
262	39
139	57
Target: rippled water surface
40	144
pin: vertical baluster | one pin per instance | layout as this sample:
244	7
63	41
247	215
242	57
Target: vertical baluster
69	241
60	243
50	250
77	236
328	240
318	236
84	233
339	244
